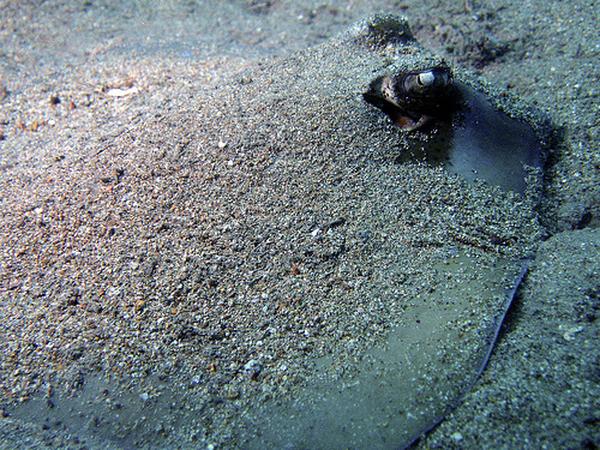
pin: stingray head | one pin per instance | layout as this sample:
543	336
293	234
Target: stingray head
411	99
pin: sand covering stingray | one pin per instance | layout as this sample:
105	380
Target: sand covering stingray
292	202
444	336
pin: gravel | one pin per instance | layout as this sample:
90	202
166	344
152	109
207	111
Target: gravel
191	222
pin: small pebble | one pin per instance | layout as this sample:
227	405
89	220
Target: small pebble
232	393
456	436
252	369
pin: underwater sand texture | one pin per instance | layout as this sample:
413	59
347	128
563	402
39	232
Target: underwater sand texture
290	236
575	160
522	379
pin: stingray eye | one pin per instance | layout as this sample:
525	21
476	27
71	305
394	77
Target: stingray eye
420	83
425	79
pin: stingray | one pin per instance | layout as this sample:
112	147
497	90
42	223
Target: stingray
401	390
402	194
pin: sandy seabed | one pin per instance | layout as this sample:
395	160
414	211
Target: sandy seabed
186	232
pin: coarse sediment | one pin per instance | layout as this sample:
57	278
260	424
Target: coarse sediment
106	205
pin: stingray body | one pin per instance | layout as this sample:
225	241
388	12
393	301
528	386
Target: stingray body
402	390
338	281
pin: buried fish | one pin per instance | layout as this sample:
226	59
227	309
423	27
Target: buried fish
401	273
401	390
